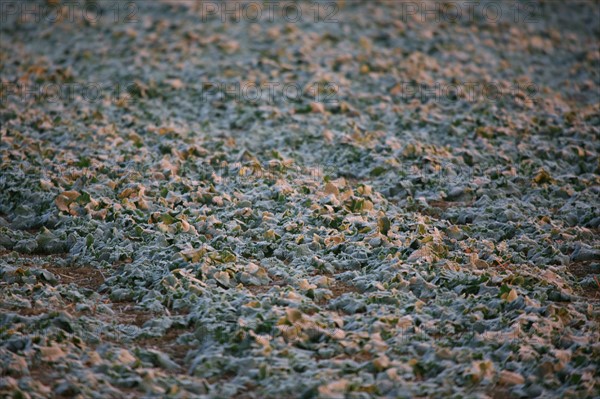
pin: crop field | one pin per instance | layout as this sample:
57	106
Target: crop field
277	199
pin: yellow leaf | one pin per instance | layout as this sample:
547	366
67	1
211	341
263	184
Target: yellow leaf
174	83
334	240
46	184
127	192
51	353
185	226
65	199
293	315
317	108
510	296
542	177
381	363
510	378
193	255
330	188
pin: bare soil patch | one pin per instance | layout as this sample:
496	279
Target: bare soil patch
581	270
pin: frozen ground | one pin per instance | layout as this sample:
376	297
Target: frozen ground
404	208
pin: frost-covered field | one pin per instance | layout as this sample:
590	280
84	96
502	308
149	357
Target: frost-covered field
342	200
